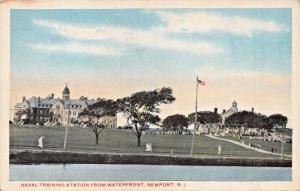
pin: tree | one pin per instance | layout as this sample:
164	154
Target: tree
22	115
243	118
51	116
83	98
247	119
141	108
98	116
175	122
261	121
204	117
277	120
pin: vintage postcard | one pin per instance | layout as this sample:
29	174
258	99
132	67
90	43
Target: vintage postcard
149	95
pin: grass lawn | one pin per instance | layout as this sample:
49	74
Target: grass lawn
265	145
115	140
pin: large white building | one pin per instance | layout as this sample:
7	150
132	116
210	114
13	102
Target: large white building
55	110
233	109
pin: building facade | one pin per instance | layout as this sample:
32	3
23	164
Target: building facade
34	110
233	109
54	111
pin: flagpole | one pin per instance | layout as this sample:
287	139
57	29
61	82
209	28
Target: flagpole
196	115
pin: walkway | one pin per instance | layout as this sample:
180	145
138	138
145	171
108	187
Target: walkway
247	146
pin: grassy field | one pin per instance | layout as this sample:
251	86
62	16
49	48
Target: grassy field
121	141
265	145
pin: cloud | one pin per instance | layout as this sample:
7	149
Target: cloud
128	36
204	22
91	49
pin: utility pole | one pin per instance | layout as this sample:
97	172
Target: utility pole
66	132
282	145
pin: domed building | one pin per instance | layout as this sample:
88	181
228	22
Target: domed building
66	93
52	110
67	110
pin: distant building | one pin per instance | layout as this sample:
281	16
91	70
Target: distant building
55	110
229	112
34	110
67	109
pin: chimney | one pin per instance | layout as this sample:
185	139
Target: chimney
223	111
23	99
216	110
252	109
39	99
52	95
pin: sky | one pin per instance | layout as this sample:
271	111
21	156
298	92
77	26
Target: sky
242	54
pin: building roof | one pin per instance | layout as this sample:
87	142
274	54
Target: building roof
41	102
75	103
49	101
233	109
18	105
66	90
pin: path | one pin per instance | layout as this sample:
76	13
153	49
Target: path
247	146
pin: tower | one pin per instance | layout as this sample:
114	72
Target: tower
234	106
66	93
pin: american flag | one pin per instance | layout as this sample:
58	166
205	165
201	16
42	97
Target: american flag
202	83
